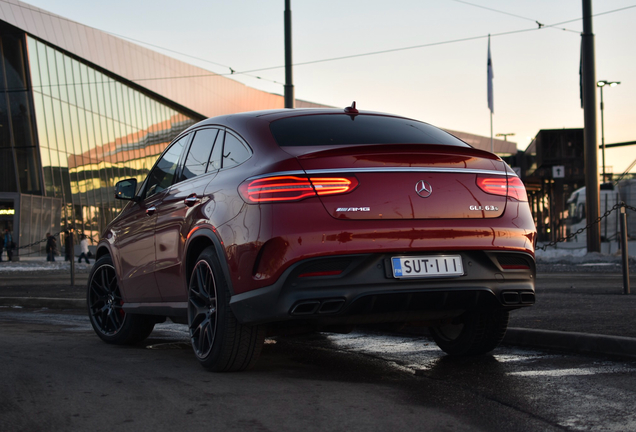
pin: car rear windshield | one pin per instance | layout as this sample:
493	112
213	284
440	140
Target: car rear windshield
341	129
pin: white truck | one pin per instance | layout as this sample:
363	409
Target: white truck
610	194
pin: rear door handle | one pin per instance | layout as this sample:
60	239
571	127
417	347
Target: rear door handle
151	210
191	200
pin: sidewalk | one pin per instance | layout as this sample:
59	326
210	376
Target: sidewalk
580	312
580	309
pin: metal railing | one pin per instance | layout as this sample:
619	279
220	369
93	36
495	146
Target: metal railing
622	207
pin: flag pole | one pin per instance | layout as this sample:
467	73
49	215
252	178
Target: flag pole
492	147
491	103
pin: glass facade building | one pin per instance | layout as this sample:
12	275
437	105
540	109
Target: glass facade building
93	131
69	131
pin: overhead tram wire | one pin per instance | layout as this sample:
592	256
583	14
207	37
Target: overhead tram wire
597	15
511	14
353	55
540	24
442	43
357	55
472	38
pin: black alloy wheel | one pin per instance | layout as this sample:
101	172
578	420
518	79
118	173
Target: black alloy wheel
105	308
105	301
473	333
219	341
202	310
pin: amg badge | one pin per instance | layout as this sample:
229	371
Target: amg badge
353	209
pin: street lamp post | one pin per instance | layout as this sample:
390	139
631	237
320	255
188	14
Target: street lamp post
602	84
289	84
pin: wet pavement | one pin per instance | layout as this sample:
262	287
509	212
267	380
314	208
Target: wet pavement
59	376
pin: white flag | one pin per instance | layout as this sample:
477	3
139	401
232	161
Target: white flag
491	75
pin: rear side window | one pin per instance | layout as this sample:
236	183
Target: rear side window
234	151
340	129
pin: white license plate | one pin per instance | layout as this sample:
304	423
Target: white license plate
427	266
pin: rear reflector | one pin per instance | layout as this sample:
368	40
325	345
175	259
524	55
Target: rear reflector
510	186
294	188
515	267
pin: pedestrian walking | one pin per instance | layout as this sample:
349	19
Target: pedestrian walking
84	249
51	247
1	248
9	244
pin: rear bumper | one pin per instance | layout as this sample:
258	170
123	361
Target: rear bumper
366	292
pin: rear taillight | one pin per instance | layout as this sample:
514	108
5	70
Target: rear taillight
510	186
516	189
294	188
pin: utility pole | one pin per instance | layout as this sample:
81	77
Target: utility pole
590	135
289	86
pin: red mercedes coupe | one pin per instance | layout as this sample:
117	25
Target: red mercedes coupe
284	221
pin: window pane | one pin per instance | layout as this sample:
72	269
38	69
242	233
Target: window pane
75	128
337	129
7	173
14	62
44	70
197	160
70	87
86	91
58	126
28	170
5	136
61	75
217	152
108	98
162	174
99	84
94	106
34	65
234	152
79	89
21	119
50	59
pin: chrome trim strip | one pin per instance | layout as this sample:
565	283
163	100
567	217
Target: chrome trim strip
278	173
394	169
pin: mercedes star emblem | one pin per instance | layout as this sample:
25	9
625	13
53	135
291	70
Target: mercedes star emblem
423	189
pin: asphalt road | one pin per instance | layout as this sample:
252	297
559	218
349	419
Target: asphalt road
57	375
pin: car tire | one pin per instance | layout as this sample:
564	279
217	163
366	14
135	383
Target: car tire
219	341
105	308
473	333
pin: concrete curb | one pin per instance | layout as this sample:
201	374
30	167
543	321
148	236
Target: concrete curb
43	302
583	343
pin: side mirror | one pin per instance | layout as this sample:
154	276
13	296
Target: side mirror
125	189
